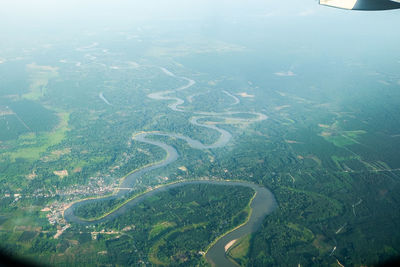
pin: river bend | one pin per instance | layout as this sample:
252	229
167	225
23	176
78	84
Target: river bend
262	204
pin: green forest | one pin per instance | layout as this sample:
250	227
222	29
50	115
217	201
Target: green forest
319	129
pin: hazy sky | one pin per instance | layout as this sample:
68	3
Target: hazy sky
284	19
79	10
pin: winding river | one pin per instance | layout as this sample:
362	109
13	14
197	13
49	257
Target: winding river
262	204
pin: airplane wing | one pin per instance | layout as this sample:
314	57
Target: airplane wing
362	4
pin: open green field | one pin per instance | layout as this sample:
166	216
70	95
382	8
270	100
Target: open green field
31	146
250	99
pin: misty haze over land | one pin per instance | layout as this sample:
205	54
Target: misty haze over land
261	133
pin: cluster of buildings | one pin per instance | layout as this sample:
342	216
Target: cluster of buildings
96	186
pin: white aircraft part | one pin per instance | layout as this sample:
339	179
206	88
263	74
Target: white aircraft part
362	4
345	4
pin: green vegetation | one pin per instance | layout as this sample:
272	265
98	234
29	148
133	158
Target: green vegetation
171	227
159	228
344	138
39	77
239	250
32	146
329	151
11	127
